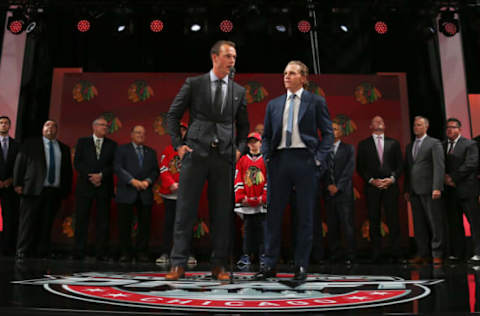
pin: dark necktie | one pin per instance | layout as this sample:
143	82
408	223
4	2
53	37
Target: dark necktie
218	99
51	169
288	140
4	148
416	146
140	155
450	149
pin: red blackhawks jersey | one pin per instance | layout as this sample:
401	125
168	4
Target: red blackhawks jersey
169	172
251	183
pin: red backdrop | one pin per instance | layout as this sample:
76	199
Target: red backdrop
130	99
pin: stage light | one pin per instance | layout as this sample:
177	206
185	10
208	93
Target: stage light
281	28
381	27
195	27
83	25
16	23
121	27
156	26
304	26
344	28
447	24
226	26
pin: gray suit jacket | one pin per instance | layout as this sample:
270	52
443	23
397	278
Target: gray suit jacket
427	172
205	121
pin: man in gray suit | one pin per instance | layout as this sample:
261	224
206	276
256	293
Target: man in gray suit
213	101
424	178
461	189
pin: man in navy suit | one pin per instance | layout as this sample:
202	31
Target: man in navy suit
8	198
339	197
295	157
136	167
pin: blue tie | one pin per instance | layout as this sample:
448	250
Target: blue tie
140	156
51	169
288	141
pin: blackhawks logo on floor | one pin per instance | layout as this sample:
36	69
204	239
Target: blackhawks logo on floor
198	292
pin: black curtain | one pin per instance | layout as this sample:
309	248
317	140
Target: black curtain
403	49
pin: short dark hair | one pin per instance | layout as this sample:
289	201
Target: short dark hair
50	120
4	117
216	47
453	119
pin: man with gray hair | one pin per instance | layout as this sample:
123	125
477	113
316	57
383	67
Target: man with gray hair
424	179
94	164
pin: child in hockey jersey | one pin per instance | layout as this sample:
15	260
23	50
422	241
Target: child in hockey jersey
170	164
251	198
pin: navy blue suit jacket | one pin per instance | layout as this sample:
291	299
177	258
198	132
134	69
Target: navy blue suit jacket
341	171
312	116
127	167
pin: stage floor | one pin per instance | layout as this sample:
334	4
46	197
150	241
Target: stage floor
61	287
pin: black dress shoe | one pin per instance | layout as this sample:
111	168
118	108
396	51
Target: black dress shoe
300	274
265	273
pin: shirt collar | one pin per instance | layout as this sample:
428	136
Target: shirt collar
214	78
298	93
375	136
46	140
95	138
456	139
337	143
422	138
3	137
136	146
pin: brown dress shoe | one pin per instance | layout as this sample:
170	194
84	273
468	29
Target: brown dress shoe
175	273
437	261
419	260
219	273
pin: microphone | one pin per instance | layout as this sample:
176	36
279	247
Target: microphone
231	74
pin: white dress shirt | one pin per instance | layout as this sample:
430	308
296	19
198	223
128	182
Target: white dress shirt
296	139
335	147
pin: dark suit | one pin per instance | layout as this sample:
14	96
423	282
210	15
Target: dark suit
9	199
38	203
295	167
127	167
369	167
424	174
461	165
86	162
206	162
340	208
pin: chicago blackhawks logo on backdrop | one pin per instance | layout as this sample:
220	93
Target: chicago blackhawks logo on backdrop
255	92
253	176
366	92
84	91
139	91
198	292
